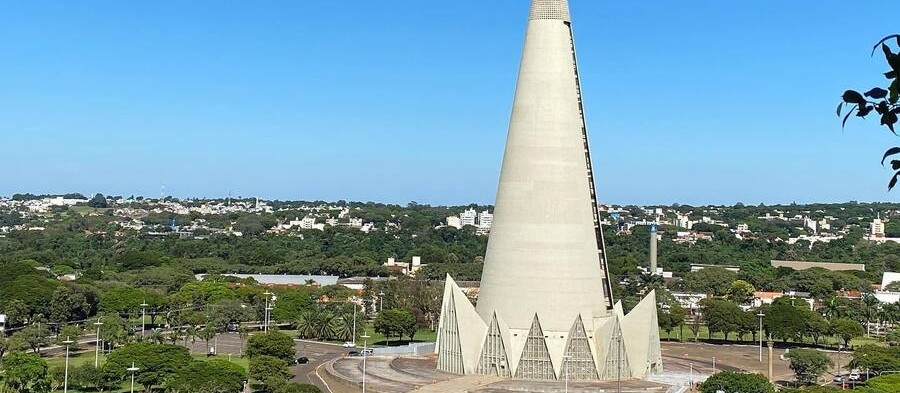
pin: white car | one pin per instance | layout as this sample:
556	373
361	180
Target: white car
349	344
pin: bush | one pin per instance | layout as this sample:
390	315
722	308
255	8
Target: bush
275	344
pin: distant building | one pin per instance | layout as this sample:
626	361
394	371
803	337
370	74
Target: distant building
454	221
407	269
485	219
468	217
833	266
696	267
876	228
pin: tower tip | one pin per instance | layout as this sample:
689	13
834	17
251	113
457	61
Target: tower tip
550	9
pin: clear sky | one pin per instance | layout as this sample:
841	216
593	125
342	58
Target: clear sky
398	100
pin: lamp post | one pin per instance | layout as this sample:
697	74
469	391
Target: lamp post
132	369
760	315
68	342
380	301
143	318
266	313
97	344
354	322
365	338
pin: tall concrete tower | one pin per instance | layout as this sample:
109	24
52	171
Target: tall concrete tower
545	303
654	238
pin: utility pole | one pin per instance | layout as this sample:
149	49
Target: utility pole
760	315
365	338
97	344
68	342
143	318
266	312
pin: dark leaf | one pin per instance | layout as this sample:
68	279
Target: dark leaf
890	74
895	91
889	119
895	164
897	36
840	106
862	112
877	93
847	116
890	152
853	97
882	107
893	181
896	110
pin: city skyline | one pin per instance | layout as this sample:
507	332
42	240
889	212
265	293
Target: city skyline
148	97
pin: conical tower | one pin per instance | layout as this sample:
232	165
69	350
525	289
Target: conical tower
545	292
545	252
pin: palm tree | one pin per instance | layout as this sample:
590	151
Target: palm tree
832	309
157	336
870	310
243	332
207	334
190	333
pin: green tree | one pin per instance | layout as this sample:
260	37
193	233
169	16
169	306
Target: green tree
889	383
265	368
98	201
215	376
715	281
846	329
740	292
816	326
69	332
26	373
395	323
875	358
155	361
274	344
87	376
736	382
808	365
207	334
784	320
721	315
33	337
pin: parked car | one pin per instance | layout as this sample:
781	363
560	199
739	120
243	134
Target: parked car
368	352
838	379
353	353
349	344
302	360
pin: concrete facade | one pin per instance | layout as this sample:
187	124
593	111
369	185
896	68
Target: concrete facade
544	310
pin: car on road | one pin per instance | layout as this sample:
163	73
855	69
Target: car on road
349	344
838	379
368	352
302	360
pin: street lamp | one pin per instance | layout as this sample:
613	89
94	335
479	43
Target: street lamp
354	322
68	342
143	316
380	301
365	338
266	313
97	344
760	315
132	369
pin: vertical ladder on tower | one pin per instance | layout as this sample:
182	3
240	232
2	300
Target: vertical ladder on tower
598	227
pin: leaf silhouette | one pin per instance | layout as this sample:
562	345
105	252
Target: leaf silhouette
890	152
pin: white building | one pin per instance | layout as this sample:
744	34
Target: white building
454	221
876	228
485	219
468	217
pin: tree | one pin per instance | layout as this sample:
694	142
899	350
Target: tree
714	281
33	337
784	320
207	334
26	373
89	377
893	287
395	323
875	358
98	201
721	315
883	102
808	365
69	332
156	362
274	344
215	376
740	292
264	368
889	383
736	382
846	329
816	326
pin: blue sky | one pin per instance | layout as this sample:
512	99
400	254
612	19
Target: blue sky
687	101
